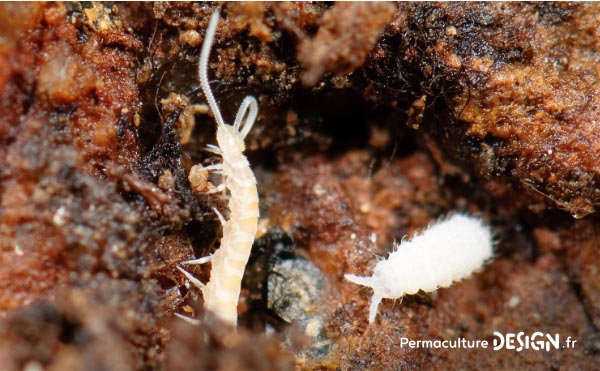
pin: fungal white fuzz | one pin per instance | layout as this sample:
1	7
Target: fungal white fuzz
447	251
222	291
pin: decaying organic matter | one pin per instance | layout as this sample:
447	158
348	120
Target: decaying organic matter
486	108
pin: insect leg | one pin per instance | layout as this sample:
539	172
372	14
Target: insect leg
213	149
213	167
217	189
187	319
220	216
203	260
375	300
216	168
194	280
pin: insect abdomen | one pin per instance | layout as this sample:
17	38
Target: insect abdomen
222	292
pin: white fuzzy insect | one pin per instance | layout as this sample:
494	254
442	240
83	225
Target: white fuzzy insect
447	251
222	292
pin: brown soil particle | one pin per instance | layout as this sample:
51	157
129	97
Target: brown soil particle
214	346
347	32
375	119
529	93
81	326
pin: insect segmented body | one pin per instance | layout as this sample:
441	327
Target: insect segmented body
447	251
222	292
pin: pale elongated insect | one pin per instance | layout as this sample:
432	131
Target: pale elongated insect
447	251
222	292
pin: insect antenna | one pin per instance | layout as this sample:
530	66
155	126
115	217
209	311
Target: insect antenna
203	68
248	109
